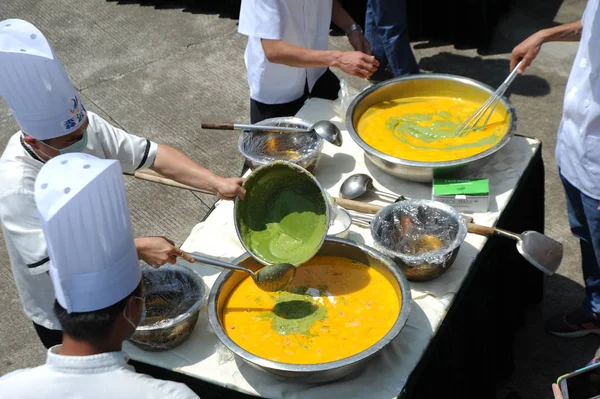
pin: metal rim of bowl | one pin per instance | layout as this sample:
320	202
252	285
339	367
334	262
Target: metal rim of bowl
405	306
412	259
192	309
471	82
315	181
277	121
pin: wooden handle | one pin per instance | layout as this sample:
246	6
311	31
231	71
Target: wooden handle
218	125
156	178
358	206
480	230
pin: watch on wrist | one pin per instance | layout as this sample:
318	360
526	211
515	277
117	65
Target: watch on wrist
352	28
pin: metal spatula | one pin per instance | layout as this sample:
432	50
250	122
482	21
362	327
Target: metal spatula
541	251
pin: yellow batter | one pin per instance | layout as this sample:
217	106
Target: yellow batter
335	308
423	128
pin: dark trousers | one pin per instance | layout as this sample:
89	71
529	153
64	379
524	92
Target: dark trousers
584	218
387	30
327	87
48	337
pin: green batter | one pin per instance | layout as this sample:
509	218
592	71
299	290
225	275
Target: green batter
295	313
283	218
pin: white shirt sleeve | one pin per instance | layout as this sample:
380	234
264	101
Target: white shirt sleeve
22	227
131	151
261	18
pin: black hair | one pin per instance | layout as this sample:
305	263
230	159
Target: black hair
92	325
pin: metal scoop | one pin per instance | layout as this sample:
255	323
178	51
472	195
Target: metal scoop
358	184
270	278
541	251
325	129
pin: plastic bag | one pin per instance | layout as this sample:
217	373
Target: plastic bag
174	295
345	97
418	233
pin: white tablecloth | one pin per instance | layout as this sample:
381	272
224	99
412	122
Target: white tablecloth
203	357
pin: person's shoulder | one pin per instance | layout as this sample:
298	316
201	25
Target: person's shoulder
96	122
17	170
161	388
19	377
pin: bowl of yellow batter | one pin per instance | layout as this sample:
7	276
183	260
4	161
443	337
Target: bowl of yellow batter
344	306
407	126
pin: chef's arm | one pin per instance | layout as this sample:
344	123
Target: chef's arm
530	47
158	251
354	63
340	16
177	166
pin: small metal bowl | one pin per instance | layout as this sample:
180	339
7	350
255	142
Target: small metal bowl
340	226
434	218
261	148
174	295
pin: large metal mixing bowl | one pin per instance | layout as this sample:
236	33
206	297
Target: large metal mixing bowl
314	373
261	148
422	86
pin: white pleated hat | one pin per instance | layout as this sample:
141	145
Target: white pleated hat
34	83
84	215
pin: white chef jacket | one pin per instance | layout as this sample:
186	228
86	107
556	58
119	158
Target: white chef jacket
25	242
578	144
98	376
304	23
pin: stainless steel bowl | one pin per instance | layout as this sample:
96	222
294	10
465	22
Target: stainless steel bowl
314	373
424	85
174	295
276	178
302	149
436	217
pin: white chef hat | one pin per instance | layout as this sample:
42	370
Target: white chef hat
34	83
84	215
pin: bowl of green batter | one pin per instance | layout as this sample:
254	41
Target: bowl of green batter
285	215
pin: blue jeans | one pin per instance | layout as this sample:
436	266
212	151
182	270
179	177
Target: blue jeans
584	218
387	31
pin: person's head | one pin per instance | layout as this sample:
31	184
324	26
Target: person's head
38	91
94	267
115	323
75	141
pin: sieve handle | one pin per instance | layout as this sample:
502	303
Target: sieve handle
358	206
218	125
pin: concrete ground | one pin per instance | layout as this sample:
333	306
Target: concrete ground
157	71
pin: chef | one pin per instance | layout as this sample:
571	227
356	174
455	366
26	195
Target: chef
98	286
578	157
53	121
287	56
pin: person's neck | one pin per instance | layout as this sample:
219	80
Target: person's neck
72	347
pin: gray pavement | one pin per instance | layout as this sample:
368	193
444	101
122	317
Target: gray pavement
158	72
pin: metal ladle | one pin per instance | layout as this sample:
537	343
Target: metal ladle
358	184
270	278
325	129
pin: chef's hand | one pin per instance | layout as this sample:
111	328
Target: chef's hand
157	251
228	188
527	50
556	391
359	42
357	64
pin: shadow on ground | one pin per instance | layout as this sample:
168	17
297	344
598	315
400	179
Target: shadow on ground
542	357
489	71
224	8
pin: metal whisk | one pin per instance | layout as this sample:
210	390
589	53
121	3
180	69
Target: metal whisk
487	109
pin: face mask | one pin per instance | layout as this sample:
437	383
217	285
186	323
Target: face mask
142	318
77	146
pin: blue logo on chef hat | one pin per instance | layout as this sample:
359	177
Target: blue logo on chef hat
78	111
